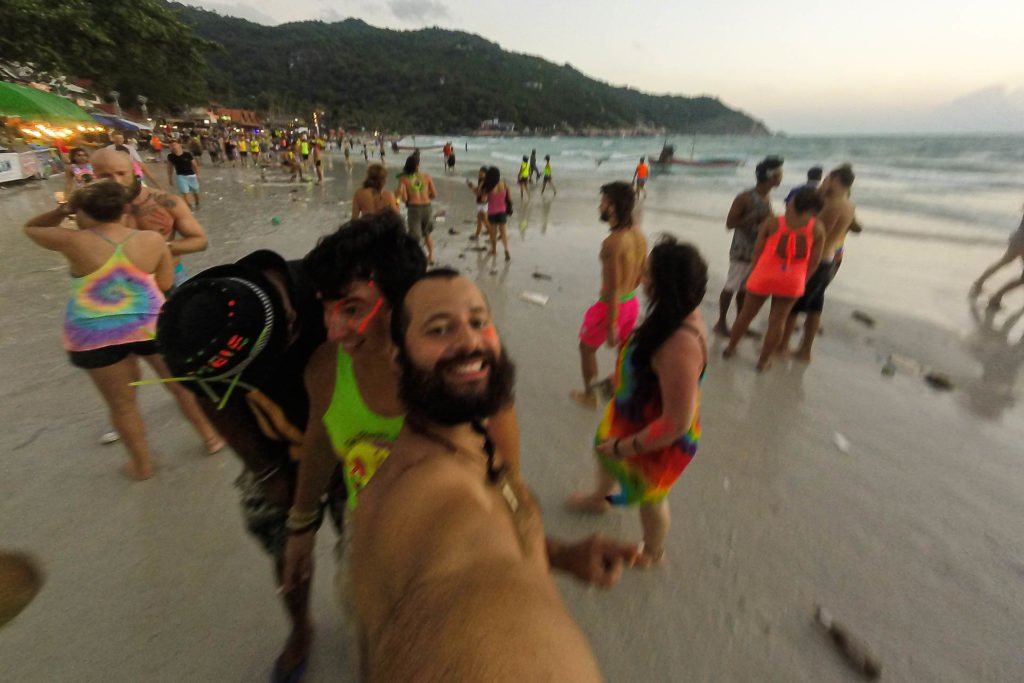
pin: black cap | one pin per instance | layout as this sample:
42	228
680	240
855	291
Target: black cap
226	321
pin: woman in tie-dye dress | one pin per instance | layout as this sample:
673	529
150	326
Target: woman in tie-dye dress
651	426
117	278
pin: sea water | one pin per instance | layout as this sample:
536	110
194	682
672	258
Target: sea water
947	187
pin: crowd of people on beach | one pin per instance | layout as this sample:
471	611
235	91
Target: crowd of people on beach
360	380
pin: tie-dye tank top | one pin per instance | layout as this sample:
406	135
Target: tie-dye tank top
116	304
647	477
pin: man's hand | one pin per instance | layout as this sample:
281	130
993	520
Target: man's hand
298	560
594	560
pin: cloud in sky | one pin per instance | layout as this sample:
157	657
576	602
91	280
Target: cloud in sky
419	10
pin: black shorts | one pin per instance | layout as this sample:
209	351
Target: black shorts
523	181
109	355
244	154
813	300
497	218
451	161
305	156
317	162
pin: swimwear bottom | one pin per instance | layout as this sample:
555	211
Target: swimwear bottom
594	331
110	355
813	300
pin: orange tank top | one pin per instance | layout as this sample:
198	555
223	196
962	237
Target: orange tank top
781	269
641	171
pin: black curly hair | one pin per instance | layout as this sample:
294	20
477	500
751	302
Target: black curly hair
679	280
376	248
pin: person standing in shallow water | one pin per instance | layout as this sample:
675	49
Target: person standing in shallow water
118	275
651	427
749	210
612	318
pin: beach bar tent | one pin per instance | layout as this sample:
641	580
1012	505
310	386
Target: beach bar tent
23	106
32	104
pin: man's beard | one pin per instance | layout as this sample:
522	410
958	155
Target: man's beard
134	189
425	392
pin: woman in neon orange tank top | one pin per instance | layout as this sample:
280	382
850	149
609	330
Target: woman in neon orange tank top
787	252
117	277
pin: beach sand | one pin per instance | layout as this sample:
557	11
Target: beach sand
912	538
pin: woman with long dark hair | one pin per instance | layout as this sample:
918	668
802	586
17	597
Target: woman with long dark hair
497	193
651	427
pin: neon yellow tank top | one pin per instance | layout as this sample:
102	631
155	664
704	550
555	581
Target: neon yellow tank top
361	438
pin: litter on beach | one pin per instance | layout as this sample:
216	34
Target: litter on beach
939	380
855	652
841	442
863	318
535	298
541	276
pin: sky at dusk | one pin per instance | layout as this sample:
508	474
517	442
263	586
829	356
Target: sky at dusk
842	67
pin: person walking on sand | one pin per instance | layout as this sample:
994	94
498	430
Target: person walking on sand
614	315
651	427
318	164
78	173
524	178
372	198
749	210
118	275
547	177
835	218
640	177
417	190
481	202
141	170
534	171
787	252
1014	251
499	199
185	166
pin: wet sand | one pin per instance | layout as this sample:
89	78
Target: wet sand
912	539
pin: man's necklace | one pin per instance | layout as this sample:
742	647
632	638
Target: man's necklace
496	475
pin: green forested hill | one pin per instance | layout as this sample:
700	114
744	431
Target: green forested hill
427	80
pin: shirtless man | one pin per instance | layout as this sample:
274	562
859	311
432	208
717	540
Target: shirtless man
613	317
152	209
835	219
416	189
450	576
749	210
117	140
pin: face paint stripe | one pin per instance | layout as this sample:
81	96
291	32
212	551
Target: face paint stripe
372	313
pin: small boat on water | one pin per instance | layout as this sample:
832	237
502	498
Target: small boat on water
667	159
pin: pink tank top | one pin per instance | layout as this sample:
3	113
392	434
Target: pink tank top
496	202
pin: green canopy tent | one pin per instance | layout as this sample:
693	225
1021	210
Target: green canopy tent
32	104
